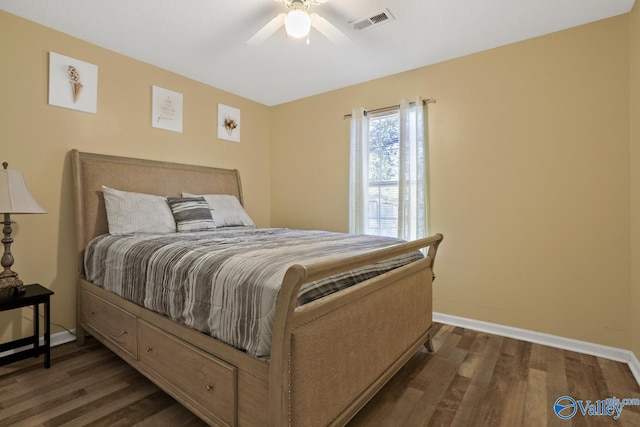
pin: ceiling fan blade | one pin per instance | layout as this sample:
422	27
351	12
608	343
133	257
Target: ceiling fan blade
268	30
328	30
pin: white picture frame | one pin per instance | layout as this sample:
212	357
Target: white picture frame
228	123
166	109
73	83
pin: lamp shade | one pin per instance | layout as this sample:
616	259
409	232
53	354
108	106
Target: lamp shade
14	196
297	23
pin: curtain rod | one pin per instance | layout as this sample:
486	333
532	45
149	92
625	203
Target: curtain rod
377	110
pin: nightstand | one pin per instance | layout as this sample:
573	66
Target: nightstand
34	295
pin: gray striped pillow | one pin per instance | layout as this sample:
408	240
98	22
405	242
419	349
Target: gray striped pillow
191	213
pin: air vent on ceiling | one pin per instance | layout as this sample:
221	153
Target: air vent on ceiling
373	19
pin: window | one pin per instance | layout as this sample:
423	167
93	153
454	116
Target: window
388	172
383	174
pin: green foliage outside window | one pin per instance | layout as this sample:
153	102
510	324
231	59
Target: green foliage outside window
383	148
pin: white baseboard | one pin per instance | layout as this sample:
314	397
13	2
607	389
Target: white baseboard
56	339
63	337
634	365
612	353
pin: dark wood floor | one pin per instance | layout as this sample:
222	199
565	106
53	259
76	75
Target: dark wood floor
473	379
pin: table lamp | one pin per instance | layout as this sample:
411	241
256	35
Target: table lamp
14	199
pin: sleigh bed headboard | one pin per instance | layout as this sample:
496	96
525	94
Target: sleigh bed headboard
92	171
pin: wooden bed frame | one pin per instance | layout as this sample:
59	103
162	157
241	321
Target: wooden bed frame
328	357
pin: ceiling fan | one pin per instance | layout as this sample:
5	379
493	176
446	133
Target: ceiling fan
298	22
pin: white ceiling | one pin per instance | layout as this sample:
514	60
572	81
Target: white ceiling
206	39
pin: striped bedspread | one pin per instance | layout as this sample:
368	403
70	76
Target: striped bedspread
225	282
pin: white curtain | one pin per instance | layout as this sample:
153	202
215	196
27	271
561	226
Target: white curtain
359	172
412	190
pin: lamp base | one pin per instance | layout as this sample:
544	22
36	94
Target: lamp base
11	281
9	278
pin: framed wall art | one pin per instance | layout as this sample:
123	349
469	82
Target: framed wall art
228	123
166	109
73	83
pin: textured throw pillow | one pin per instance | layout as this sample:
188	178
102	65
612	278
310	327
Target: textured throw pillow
191	213
131	213
226	210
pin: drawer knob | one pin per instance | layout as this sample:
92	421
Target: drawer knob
209	387
149	349
124	333
92	313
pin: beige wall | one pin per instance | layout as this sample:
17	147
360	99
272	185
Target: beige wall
635	179
36	139
529	178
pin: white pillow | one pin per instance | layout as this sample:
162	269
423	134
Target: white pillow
226	210
131	213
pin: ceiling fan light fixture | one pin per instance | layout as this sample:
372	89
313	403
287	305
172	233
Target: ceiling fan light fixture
297	23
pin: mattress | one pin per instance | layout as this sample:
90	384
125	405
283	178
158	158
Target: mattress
225	282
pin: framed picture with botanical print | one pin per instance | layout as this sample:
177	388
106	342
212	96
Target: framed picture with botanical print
228	123
73	83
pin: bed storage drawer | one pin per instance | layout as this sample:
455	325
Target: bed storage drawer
118	326
207	383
